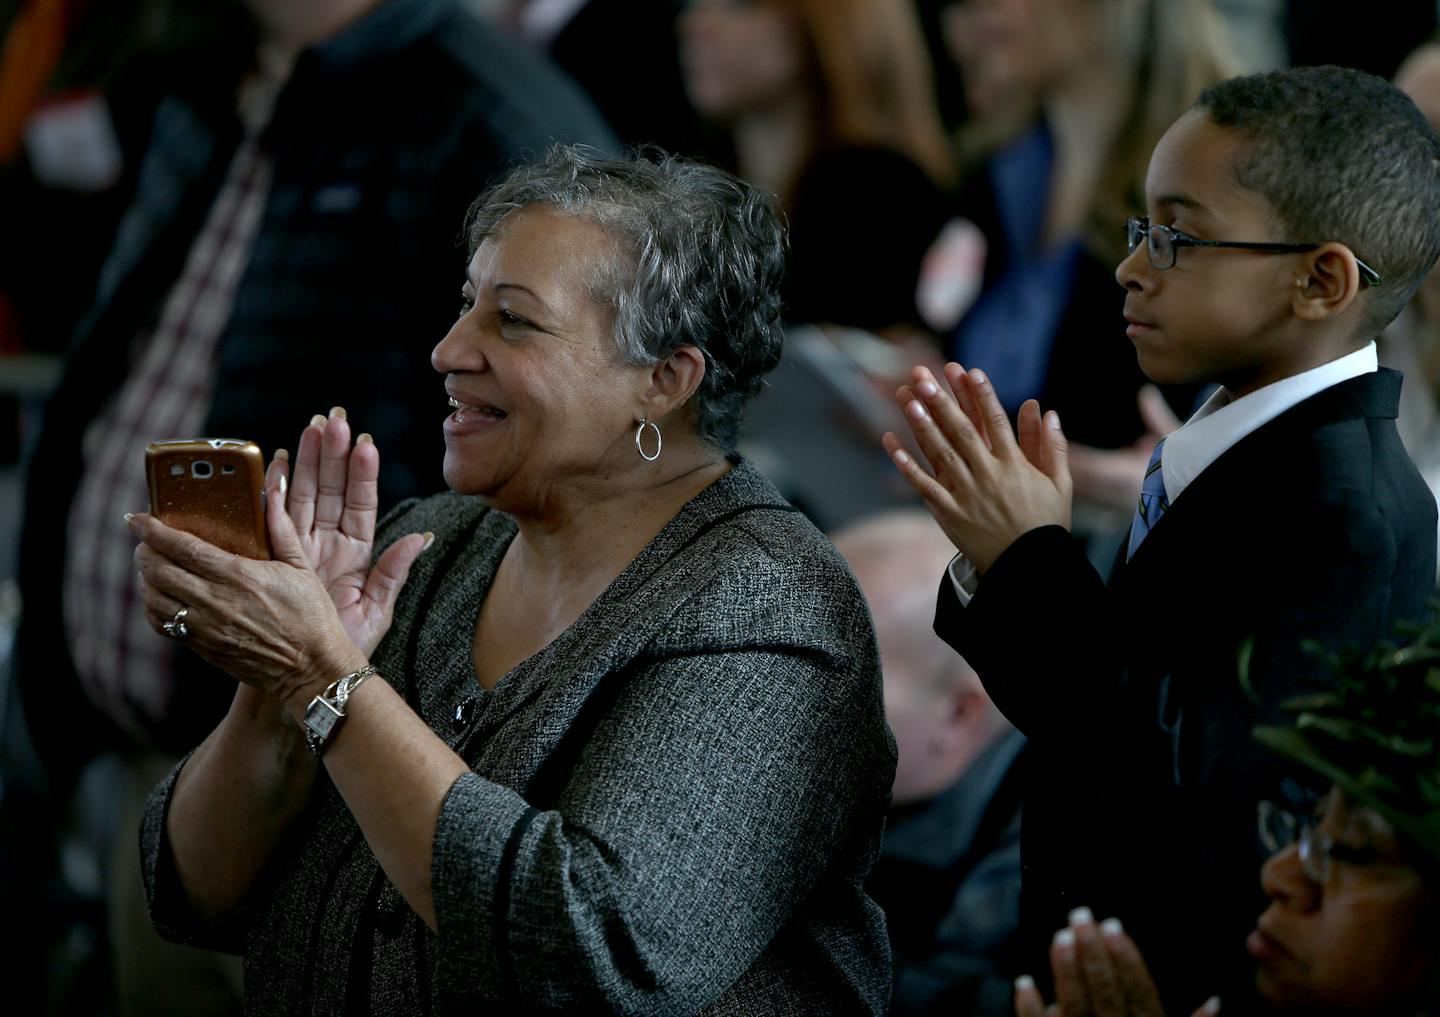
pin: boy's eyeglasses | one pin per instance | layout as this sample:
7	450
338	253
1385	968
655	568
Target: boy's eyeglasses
1279	829
1162	242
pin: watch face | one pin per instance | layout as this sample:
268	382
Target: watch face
321	718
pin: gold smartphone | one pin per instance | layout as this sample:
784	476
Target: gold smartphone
213	488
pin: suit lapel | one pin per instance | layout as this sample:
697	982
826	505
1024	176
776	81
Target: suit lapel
1225	501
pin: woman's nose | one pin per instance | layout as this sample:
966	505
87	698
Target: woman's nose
459	350
1284	880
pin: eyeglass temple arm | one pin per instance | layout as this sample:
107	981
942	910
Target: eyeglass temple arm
1367	274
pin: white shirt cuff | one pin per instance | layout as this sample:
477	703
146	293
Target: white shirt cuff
963	578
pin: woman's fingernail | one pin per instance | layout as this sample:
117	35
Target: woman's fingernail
977	376
928	388
317	421
1212	1005
917	409
1082	916
282	485
1112	927
1065	938
365	439
1024	984
282	453
1054	421
902	457
129	516
338	411
429	539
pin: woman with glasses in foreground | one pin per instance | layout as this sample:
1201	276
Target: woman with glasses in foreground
1353	925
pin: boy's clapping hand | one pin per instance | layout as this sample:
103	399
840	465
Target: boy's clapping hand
987	489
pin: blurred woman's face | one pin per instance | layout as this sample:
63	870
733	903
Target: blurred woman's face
740	57
542	402
1362	942
1025	46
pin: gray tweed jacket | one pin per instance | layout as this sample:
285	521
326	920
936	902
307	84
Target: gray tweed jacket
672	808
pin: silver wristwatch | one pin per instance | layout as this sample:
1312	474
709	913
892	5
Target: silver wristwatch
327	710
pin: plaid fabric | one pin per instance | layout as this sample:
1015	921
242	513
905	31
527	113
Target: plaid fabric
122	665
381	138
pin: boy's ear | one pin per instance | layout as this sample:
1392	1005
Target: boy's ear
1328	283
673	381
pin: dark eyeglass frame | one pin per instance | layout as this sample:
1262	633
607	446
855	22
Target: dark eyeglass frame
1172	240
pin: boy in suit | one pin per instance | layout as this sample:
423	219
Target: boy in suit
1291	216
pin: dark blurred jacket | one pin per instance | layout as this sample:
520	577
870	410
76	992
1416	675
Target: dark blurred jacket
382	137
949	880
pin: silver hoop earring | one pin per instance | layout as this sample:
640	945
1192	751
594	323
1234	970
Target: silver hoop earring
659	442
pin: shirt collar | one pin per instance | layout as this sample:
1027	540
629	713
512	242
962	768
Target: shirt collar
1225	420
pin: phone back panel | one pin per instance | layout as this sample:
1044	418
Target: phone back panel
211	487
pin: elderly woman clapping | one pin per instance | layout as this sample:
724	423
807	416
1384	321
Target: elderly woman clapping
622	749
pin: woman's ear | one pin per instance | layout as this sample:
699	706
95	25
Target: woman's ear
673	381
1328	284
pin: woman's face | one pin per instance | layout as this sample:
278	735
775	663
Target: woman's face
1026	46
546	404
1361	942
740	56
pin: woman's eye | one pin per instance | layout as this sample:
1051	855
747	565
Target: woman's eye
510	318
465	304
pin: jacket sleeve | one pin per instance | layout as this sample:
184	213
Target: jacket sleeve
1038	631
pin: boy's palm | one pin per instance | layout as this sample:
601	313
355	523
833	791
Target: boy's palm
989	487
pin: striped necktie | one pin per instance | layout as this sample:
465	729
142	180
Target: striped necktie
1153	500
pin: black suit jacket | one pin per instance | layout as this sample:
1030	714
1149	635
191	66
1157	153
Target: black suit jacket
1144	776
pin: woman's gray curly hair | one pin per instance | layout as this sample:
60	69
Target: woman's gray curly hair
704	255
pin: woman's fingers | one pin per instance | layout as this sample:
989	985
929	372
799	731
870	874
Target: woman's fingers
1102	982
387	578
278	472
159	607
362	491
334	467
1155	412
305	480
1028	1002
1133	977
161	543
284	540
1070	992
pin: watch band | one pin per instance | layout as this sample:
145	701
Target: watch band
327	710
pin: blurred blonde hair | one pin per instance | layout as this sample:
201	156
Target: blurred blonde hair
875	78
1177	49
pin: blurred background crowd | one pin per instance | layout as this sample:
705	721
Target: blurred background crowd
202	200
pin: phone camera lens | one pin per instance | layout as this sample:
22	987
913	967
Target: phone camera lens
201	469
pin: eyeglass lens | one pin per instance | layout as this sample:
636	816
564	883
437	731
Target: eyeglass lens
1159	244
1279	829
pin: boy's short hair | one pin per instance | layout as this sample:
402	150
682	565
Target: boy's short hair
1344	156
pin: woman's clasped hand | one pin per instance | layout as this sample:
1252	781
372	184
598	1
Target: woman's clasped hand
1098	972
290	624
